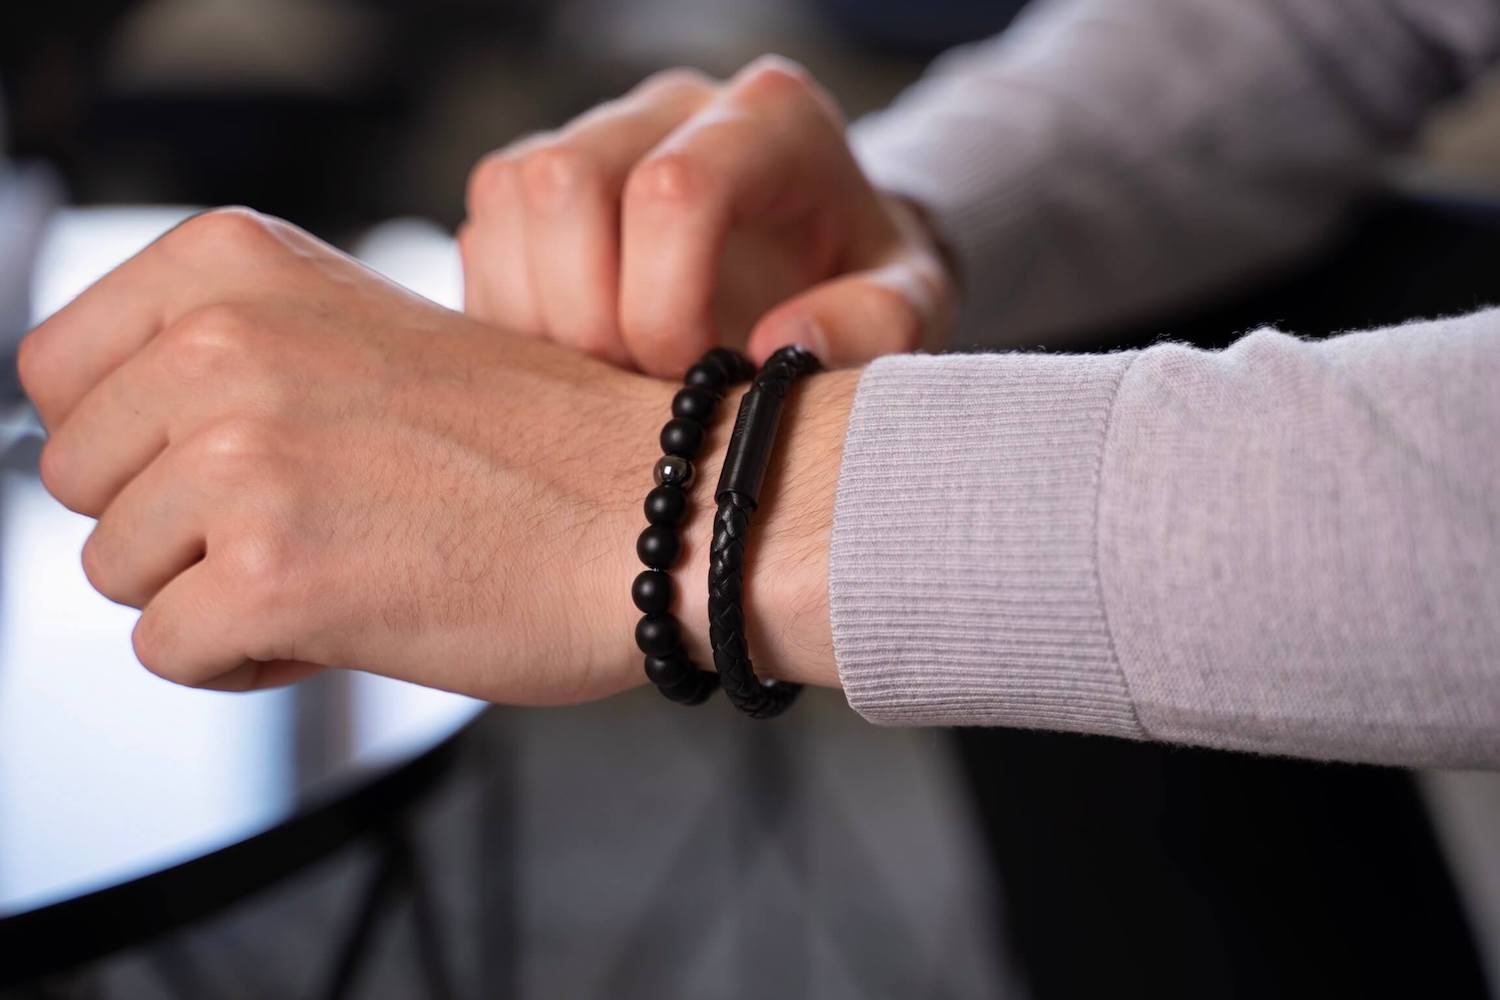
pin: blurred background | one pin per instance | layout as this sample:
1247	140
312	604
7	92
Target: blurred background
628	849
341	114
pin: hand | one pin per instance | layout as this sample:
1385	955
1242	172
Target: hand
692	211
296	464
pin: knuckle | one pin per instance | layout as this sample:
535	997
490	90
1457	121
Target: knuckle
774	76
234	449
42	373
778	81
53	467
210	341
677	82
490	182
61	475
99	568
670	178
156	642
259	568
31	364
148	640
233	227
553	173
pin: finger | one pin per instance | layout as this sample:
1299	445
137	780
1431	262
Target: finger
66	356
573	255
501	285
150	533
572	184
178	381
215	625
765	151
497	284
853	318
257	675
228	477
182	637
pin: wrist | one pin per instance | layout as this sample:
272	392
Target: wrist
786	567
786	570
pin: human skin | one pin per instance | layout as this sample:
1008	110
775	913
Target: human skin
295	464
693	212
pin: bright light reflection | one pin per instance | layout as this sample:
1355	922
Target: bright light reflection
105	770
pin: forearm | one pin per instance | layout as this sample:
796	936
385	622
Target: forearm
1102	160
1281	547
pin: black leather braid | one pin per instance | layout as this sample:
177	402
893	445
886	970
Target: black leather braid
737	496
726	617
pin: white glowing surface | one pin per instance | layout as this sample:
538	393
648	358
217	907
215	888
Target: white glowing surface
106	771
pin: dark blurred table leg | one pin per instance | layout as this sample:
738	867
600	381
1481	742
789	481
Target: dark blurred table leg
497	880
396	873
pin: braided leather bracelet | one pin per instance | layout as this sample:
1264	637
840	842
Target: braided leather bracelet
738	494
657	633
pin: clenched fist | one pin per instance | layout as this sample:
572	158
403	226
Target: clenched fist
691	213
296	464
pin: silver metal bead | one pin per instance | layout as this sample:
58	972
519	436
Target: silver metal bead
672	470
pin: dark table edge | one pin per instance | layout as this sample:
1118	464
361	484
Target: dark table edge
69	933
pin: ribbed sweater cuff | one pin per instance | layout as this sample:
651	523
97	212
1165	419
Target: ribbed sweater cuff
963	576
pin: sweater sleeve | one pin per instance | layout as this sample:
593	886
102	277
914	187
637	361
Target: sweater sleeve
1284	547
1102	160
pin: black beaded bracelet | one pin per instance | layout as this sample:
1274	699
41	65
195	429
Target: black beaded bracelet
657	633
744	472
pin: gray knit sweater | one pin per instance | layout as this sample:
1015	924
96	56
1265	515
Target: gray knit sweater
1285	547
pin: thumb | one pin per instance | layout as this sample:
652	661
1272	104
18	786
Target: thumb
855	317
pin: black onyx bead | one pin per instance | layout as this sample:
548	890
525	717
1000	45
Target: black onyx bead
656	635
694	404
668	671
722	360
658	546
691	691
797	359
665	505
682	437
736	364
652	591
673	470
685	692
710	377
